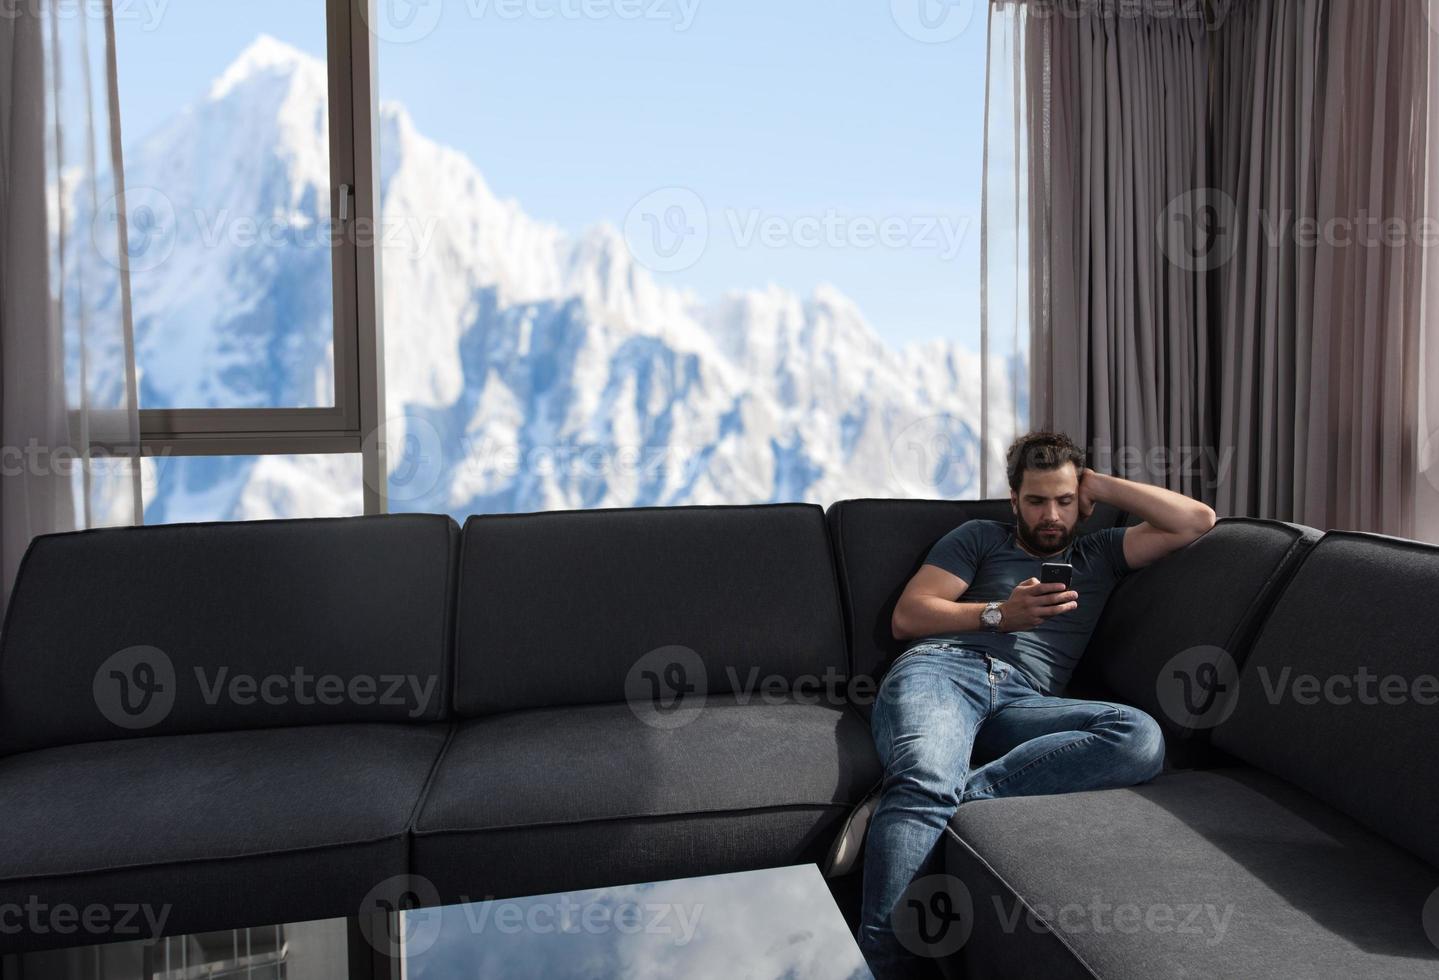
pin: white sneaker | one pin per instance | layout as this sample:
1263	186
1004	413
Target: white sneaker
844	854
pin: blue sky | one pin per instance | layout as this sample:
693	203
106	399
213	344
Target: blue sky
803	114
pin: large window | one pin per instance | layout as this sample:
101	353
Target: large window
628	254
229	179
247	264
680	252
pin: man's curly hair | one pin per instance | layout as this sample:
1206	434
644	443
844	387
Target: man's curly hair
1041	451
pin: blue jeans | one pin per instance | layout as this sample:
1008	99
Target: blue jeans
939	704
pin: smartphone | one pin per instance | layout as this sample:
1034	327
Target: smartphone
1053	571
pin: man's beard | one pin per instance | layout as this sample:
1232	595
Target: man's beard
1040	543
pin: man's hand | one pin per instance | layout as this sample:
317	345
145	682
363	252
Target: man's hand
1033	602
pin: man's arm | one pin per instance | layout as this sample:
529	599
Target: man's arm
930	606
1169	520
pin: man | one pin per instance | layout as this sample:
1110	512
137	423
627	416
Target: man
991	647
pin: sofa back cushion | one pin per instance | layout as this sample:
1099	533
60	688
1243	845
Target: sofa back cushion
583	607
214	627
880	544
1190	617
1340	694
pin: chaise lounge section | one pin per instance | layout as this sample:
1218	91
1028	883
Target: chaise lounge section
1311	853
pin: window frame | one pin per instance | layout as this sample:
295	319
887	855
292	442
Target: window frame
351	425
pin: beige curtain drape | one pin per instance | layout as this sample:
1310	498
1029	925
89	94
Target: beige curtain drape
1426	483
1228	248
1112	98
1320	123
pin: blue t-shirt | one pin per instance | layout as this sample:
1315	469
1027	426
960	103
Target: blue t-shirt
987	556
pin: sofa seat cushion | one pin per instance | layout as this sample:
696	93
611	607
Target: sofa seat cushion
226	829
1223	873
552	799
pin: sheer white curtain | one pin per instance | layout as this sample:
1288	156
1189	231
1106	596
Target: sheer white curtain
69	428
1005	326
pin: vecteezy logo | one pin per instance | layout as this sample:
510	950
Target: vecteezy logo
402	21
135	688
1431	918
1215	14
1429	452
1431	15
932	21
934	456
666	688
146	237
934	916
667	230
1198	230
1199	687
401	916
414	454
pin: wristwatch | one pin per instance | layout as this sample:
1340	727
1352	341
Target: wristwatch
992	616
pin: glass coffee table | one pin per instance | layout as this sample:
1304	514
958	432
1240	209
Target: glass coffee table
772	923
780	922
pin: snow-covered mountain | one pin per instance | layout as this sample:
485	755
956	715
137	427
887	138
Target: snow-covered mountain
525	369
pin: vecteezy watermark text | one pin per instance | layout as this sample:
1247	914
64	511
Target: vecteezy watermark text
121	921
1364	687
137	688
680	13
1202	230
410	21
301	687
669	230
1101	917
155	227
667	687
563	914
942	234
402	915
146	13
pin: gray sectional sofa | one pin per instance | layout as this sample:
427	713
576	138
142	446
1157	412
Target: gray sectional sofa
245	724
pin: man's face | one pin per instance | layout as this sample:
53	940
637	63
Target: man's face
1046	509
